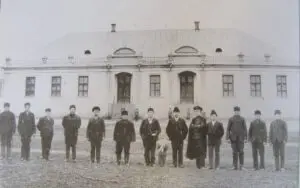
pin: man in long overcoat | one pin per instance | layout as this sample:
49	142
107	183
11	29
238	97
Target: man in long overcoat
26	128
71	124
7	129
177	131
197	145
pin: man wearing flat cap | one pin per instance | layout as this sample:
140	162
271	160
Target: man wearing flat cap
45	126
7	129
95	133
149	131
257	137
278	138
124	134
26	128
237	134
71	124
177	131
197	145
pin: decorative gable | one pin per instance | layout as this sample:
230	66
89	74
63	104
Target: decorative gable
124	51
186	50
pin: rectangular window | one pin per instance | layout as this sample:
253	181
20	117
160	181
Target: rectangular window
255	85
281	86
155	85
56	86
83	86
30	87
228	89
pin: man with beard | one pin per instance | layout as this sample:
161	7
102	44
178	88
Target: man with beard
71	124
149	131
7	129
198	129
95	133
237	135
45	126
26	128
124	134
177	131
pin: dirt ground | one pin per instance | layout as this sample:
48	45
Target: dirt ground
59	174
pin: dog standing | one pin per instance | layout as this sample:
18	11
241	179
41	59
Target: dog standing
162	147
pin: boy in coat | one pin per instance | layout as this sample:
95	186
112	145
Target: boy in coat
258	136
45	126
177	131
215	134
7	130
95	134
26	128
278	138
71	124
149	131
124	134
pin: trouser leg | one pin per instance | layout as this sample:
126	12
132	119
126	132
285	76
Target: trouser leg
119	148
261	151
126	152
8	145
146	151
282	154
180	154
3	145
198	164
26	147
68	147
276	154
217	155
241	152
254	155
74	151
98	151
93	148
210	156
174	153
234	154
43	143
152	152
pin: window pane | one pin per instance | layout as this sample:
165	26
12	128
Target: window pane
257	87
230	87
157	86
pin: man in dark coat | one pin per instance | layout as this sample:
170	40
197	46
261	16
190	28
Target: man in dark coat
7	129
258	136
177	131
215	134
197	137
124	134
149	131
45	126
95	133
237	134
71	124
26	128
278	138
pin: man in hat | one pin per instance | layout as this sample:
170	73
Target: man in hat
95	133
71	123
26	128
7	129
124	134
197	144
237	134
215	134
45	126
258	136
177	131
149	131
278	138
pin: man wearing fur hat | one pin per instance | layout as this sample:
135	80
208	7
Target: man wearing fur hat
149	131
177	131
215	134
124	134
278	138
71	124
95	133
258	136
237	134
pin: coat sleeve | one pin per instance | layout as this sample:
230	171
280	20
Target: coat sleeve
13	123
115	131
185	130
265	132
168	130
103	128
245	129
250	132
39	124
221	130
33	124
228	129
142	130
64	122
271	132
285	131
133	137
79	123
20	123
88	129
158	128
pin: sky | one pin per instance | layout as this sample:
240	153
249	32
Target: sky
29	25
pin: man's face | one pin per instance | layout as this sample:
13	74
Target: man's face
257	116
236	112
124	117
176	114
96	112
72	110
150	114
6	108
48	114
197	112
27	107
278	116
213	117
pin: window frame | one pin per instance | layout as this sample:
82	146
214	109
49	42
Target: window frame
153	91
227	90
56	85
280	92
257	92
83	92
30	85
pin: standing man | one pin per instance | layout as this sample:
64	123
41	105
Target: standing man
7	129
95	133
71	124
124	134
177	131
45	126
278	138
258	136
26	128
149	131
197	144
237	134
215	134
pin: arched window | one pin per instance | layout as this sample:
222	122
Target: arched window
124	51
186	50
219	50
87	52
187	86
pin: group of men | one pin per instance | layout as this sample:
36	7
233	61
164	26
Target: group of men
201	133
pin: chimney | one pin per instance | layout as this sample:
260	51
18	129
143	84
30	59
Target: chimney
197	28
113	28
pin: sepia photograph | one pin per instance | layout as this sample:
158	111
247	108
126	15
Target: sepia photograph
152	93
